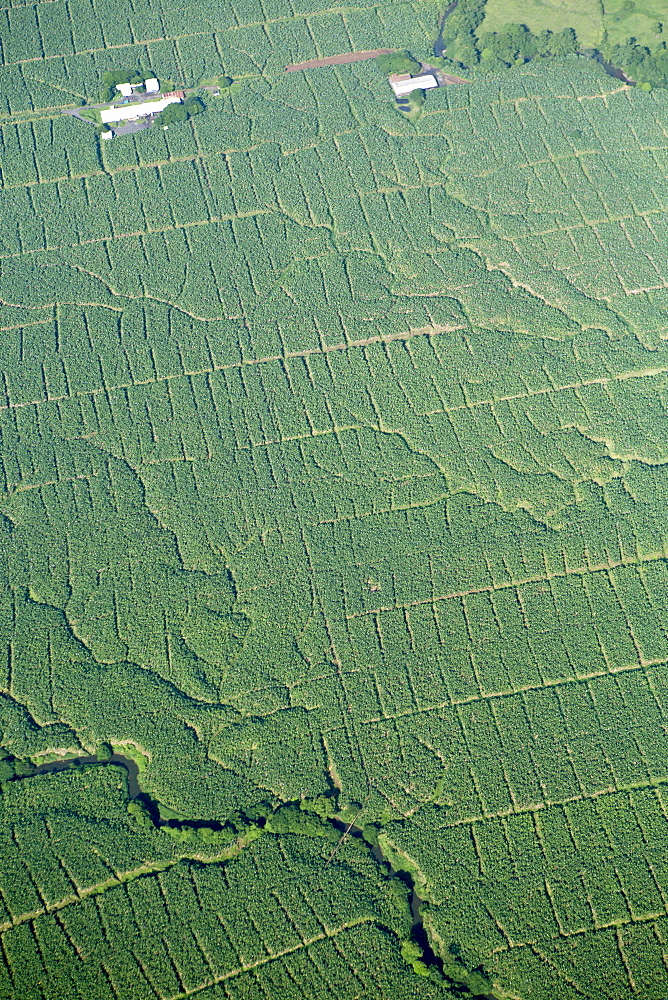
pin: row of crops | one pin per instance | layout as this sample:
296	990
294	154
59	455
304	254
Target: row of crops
333	456
265	183
593	879
57	56
109	922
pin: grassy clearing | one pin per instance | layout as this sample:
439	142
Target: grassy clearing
593	20
413	112
585	16
625	19
91	115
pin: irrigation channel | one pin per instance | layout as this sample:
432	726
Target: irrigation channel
418	933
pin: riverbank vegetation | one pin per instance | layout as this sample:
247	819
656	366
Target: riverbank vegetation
493	34
286	881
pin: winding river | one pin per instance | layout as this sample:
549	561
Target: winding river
419	933
51	767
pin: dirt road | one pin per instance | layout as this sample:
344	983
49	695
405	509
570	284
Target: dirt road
345	57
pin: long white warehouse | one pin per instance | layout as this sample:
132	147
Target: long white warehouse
403	84
131	111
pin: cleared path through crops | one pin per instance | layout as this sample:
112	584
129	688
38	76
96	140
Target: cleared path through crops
345	57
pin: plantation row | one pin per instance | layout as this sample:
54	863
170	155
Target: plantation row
425	558
565	742
52	55
186	643
331	197
171	926
438	371
239	120
45	863
579	869
334	422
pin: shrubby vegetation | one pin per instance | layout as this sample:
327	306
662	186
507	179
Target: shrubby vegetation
516	45
217	916
398	62
458	33
180	112
641	63
467	43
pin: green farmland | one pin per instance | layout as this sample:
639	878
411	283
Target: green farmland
334	458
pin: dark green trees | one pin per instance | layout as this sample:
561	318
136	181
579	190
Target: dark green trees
458	35
104	752
181	112
398	62
516	44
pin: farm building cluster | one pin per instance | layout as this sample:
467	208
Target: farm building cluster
131	112
404	84
150	86
136	108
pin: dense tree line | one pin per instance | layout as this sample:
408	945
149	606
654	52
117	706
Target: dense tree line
398	62
180	112
515	44
649	67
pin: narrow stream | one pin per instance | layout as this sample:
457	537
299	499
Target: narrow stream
418	931
439	45
53	766
609	68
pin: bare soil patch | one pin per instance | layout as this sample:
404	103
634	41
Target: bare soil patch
345	57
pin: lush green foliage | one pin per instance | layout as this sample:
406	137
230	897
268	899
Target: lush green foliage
505	33
180	112
515	44
334	458
643	64
458	31
131	916
398	62
593	21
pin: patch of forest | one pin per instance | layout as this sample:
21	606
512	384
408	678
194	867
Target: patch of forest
463	41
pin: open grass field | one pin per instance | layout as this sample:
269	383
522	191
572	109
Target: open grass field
334	471
585	16
593	20
635	18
